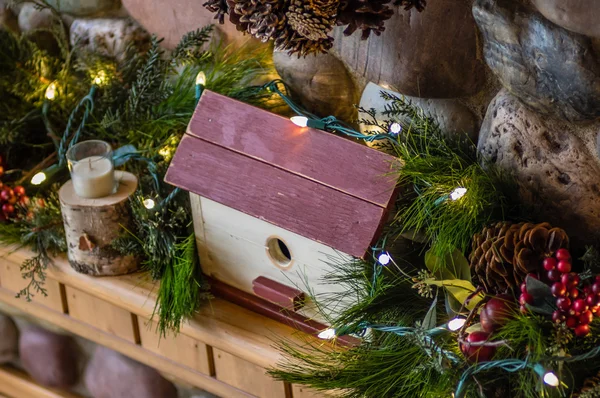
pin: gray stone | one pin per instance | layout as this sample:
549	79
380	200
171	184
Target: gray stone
86	8
109	37
432	54
9	339
50	359
321	83
552	70
31	18
554	163
172	19
581	16
112	375
454	118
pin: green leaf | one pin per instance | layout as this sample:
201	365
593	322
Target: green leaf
458	288
430	320
453	266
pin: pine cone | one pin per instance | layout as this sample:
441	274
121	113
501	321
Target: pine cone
302	18
366	15
219	7
504	253
260	18
408	4
590	389
291	41
325	8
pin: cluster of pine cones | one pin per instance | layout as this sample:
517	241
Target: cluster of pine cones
302	27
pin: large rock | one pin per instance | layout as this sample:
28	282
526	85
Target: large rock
9	339
112	375
454	118
581	16
555	165
432	54
321	83
50	358
86	8
552	70
107	36
30	18
172	19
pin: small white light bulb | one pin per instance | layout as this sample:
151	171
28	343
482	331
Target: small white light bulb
201	78
395	128
327	334
456	323
458	193
51	92
551	379
299	121
100	78
38	178
149	203
384	259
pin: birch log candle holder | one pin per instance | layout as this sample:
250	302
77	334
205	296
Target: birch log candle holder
95	210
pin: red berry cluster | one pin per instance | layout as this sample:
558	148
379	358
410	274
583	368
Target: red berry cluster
576	304
10	197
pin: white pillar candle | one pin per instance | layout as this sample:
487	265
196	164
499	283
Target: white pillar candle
93	177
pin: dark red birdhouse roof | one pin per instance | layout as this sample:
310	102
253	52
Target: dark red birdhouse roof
311	182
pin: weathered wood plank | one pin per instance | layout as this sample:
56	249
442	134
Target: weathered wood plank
305	207
323	157
18	384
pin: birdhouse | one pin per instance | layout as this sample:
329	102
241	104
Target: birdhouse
275	204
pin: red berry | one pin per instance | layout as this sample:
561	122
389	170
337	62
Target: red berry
588	290
558	289
586	317
554	275
549	263
564	267
582	330
596	288
19	190
526	298
572	322
524	310
563	304
41	202
5	194
562	254
591	300
24	200
598	278
532	275
558	317
580	306
8	209
480	353
566	279
523	287
12	200
1	171
573	293
576	279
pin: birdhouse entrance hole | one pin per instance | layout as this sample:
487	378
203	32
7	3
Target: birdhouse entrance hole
279	252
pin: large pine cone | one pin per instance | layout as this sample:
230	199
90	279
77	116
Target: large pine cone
325	8
366	15
408	4
590	389
260	18
504	253
291	41
302	18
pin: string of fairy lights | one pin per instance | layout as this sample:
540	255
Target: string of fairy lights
304	119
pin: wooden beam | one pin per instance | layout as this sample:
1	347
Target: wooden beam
17	384
131	350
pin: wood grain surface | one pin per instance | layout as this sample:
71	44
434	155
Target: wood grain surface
297	204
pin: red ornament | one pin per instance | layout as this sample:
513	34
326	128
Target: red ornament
564	266
549	263
497	312
563	255
479	353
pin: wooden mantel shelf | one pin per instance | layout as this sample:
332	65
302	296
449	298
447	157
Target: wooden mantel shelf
224	349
